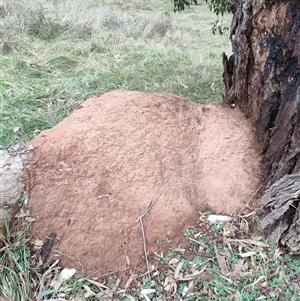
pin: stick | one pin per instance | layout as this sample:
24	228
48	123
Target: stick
248	202
147	209
109	273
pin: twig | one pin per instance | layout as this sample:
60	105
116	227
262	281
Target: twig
144	274
60	253
248	202
110	273
59	299
222	262
253	242
114	288
255	282
147	209
143	234
98	284
48	271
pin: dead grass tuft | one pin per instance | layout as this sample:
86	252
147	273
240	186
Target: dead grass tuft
155	26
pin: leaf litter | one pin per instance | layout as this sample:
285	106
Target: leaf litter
223	259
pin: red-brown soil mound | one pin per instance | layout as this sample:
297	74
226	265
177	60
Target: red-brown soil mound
99	168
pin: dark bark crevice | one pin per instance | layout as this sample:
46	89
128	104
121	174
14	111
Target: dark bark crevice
262	78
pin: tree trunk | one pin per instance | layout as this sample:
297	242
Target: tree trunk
262	78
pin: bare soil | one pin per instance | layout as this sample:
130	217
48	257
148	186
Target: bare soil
100	167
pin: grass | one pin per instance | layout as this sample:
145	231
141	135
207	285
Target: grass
56	54
15	279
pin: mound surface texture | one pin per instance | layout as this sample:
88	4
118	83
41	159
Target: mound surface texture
100	167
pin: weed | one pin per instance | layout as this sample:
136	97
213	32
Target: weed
23	199
162	242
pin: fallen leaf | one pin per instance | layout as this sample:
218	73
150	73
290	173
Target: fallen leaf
173	260
213	218
146	292
89	292
177	270
247	254
263	284
65	274
30	219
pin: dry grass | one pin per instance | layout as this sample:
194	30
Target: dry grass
55	54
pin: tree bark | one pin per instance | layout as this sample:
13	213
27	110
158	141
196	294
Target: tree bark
262	78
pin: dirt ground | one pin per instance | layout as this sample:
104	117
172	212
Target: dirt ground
99	168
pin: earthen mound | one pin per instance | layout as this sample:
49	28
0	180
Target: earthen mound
100	167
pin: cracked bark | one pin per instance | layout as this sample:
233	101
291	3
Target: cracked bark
262	77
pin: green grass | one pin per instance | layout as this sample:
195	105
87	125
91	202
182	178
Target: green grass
60	53
16	271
